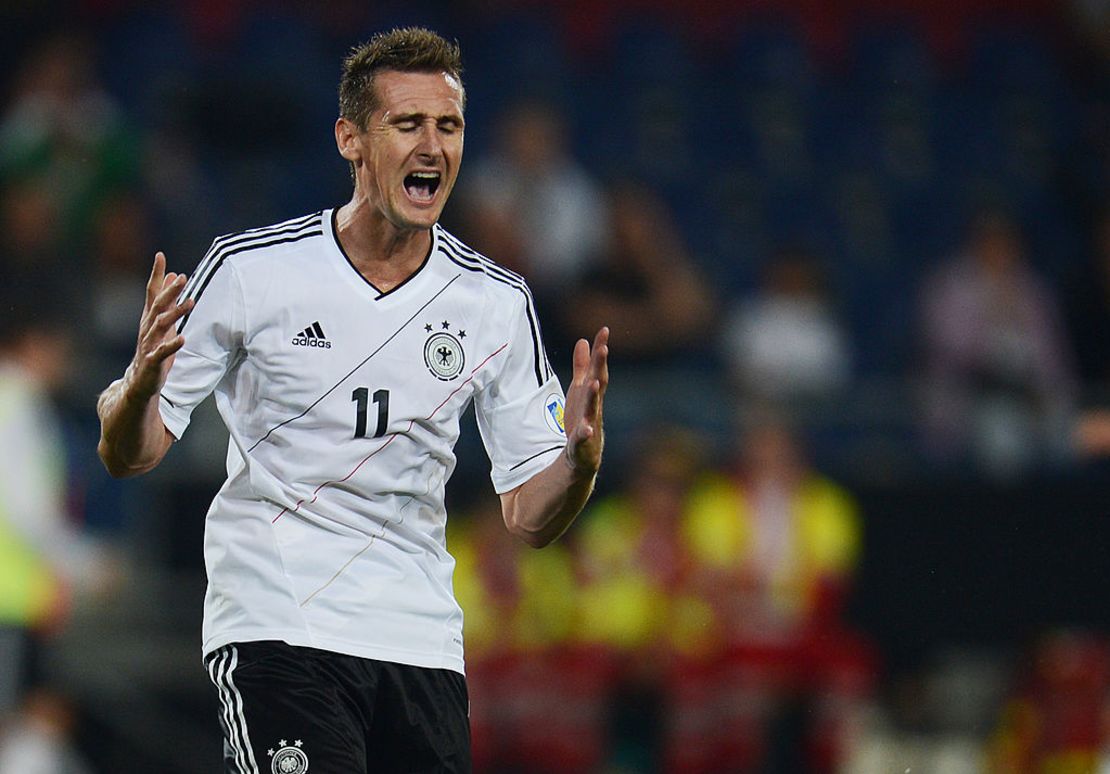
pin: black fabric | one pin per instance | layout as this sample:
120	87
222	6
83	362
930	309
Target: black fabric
302	709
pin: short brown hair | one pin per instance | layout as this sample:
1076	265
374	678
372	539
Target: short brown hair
405	49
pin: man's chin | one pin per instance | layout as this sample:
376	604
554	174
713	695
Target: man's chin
417	219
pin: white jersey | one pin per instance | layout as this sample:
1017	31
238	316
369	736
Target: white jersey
343	407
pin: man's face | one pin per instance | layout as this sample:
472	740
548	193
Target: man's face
412	147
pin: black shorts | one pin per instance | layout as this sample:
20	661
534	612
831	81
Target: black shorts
288	710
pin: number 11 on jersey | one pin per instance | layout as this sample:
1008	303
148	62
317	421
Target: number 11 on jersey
361	397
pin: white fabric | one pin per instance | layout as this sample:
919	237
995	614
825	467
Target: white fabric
319	538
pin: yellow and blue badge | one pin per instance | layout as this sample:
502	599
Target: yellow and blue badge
553	413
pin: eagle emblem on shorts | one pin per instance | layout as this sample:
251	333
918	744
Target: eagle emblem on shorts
443	352
288	759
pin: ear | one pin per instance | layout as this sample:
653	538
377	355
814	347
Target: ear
346	140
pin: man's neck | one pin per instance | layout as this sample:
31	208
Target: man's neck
383	254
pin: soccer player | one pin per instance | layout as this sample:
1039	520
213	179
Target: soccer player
342	347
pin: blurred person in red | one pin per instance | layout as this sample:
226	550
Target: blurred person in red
47	564
1000	387
644	282
1057	717
632	569
536	699
774	546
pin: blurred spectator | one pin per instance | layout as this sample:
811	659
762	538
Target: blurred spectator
785	345
45	561
643	284
63	131
38	741
536	700
120	252
532	206
1000	387
1057	718
26	205
774	547
783	540
633	569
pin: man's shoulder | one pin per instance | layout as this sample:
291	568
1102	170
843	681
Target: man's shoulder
275	236
495	276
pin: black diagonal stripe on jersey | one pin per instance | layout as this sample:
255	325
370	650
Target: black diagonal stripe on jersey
365	360
242	237
308	333
537	454
537	347
496	268
319	331
241	249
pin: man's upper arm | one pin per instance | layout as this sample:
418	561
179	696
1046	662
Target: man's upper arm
213	333
520	413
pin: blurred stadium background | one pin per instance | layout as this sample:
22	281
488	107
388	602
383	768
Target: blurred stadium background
857	242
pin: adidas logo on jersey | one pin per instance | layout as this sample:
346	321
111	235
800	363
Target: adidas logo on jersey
312	336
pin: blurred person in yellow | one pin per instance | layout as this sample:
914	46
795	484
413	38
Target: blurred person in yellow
46	563
527	681
633	570
773	546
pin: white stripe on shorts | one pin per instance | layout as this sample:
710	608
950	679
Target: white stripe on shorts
220	670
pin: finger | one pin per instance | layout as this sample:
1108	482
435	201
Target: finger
162	301
170	291
168	347
581	361
157	275
593	401
601	338
167	318
599	362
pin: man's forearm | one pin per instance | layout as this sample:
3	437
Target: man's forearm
133	438
541	509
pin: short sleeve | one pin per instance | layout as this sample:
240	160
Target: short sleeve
520	413
213	333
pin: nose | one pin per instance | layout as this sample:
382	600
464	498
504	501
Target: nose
430	146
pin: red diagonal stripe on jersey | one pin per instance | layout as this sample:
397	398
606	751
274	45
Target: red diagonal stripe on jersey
392	436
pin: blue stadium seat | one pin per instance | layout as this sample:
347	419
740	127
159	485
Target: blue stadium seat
1011	57
149	61
284	51
650	49
888	53
521	54
772	52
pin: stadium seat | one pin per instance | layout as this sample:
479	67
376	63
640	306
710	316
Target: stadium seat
772	52
1005	56
151	57
891	54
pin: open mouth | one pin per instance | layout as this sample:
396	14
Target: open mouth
422	186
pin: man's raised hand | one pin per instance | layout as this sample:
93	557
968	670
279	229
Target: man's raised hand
585	401
158	340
